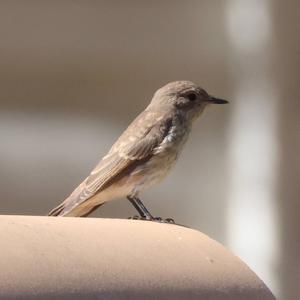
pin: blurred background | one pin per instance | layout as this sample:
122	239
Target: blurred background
73	75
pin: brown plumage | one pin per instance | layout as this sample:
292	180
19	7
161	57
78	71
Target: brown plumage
145	151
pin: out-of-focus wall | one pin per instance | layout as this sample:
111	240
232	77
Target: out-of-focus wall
75	73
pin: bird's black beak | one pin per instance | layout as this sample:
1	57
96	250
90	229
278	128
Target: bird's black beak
215	100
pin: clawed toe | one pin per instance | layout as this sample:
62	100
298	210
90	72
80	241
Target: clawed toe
154	219
170	220
167	220
135	218
139	218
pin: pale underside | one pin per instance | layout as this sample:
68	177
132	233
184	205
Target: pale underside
141	157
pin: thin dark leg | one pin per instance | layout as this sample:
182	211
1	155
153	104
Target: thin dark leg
140	207
144	213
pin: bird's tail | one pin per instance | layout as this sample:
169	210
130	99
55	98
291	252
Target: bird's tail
57	210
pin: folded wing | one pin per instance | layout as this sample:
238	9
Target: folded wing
136	144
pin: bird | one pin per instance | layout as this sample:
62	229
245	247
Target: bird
144	153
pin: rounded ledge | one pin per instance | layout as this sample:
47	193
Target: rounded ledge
88	258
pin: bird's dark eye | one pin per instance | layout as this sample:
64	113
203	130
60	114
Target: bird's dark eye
191	96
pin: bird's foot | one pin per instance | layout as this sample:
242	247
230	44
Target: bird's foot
154	219
167	220
139	218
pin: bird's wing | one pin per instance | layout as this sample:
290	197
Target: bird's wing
137	143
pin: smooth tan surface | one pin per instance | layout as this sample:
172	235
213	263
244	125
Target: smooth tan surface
75	258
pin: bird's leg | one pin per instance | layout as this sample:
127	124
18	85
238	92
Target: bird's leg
140	207
144	212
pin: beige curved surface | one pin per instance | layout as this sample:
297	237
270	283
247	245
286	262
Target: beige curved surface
76	258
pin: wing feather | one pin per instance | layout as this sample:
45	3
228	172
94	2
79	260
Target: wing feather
137	143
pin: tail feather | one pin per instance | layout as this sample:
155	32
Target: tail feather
57	210
91	210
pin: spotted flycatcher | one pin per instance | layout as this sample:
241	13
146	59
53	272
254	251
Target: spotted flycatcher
144	153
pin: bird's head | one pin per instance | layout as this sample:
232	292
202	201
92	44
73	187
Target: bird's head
184	96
